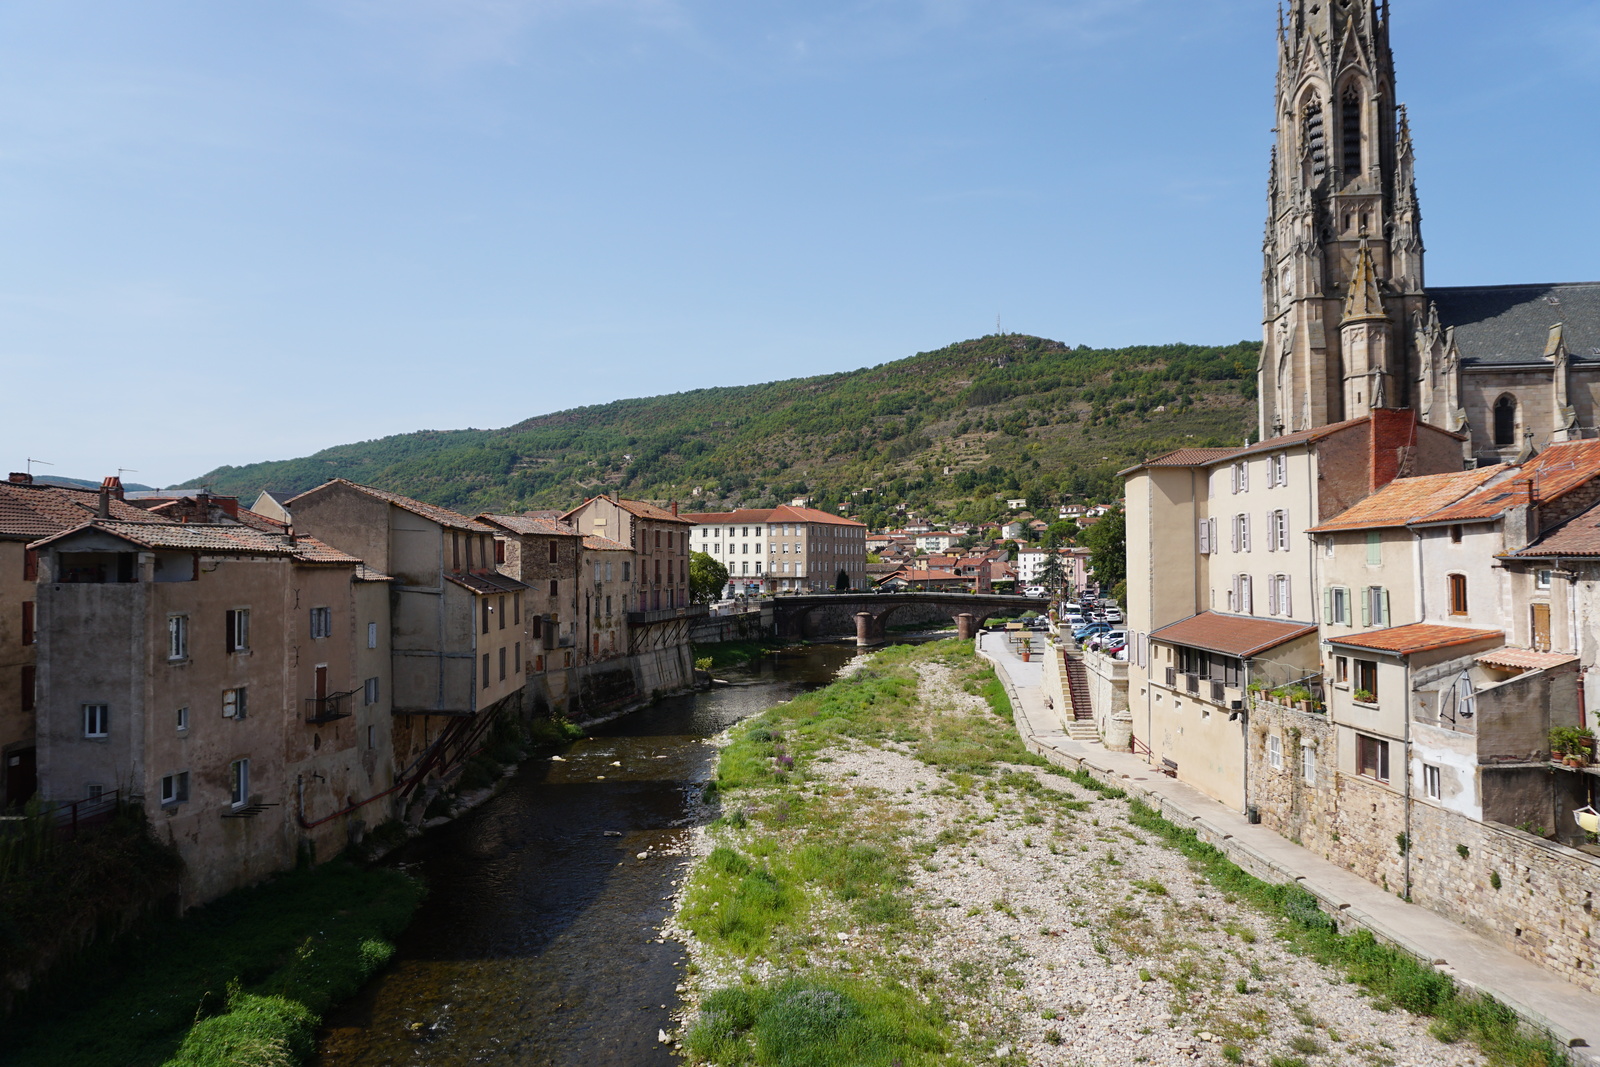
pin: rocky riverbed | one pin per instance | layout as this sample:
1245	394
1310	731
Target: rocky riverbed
1022	907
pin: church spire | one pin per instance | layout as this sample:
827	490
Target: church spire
1364	302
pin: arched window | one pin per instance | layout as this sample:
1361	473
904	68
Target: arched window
1505	420
1315	142
1351	122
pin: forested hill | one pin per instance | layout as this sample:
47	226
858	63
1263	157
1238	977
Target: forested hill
1004	413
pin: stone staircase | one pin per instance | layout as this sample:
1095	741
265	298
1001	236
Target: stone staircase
1080	718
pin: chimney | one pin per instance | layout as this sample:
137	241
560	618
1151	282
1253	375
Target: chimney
104	510
674	509
20	478
112	485
614	495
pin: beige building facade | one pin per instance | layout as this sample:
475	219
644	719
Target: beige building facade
785	550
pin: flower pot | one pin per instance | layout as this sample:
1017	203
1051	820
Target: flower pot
1575	761
1026	656
1557	755
1303	705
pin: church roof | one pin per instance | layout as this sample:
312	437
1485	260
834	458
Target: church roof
1511	323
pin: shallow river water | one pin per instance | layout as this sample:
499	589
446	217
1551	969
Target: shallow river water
537	942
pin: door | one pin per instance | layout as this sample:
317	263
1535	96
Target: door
1541	627
22	778
322	688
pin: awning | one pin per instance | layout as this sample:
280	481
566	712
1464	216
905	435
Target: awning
1231	635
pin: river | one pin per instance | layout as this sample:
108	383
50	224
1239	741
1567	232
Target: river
537	942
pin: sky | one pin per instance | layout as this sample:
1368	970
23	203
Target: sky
247	230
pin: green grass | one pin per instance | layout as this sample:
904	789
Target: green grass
242	980
818	1021
1389	973
734	653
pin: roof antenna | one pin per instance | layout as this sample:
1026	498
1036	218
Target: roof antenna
32	461
125	470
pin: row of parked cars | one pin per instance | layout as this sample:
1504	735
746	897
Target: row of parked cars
1097	626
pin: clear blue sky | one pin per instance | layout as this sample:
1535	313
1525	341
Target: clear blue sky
244	230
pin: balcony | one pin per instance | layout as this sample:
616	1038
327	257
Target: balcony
331	707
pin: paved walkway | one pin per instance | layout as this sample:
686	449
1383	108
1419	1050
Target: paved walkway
1569	1013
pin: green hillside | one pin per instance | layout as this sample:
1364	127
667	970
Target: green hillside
941	431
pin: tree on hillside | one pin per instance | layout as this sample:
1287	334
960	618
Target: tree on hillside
1107	541
1050	574
707	578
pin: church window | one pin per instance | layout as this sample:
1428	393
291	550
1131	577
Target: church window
1316	146
1352	132
1505	420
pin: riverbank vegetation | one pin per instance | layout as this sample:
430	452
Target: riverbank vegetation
894	878
722	654
243	980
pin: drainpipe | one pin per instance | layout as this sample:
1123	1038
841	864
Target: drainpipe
1407	746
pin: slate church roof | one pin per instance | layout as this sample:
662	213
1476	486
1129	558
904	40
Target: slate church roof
1511	323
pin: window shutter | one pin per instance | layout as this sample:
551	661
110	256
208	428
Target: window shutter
1205	538
1245	533
1385	594
1374	549
1272	595
1249	594
1327	604
1283	597
1366	607
1272	531
1236	526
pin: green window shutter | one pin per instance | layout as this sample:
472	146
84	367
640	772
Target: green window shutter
1386	607
1327	605
1374	549
1349	607
1366	607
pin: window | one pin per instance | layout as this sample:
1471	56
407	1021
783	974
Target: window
1458	594
96	720
555	588
502	609
1430	781
183	720
1278	470
1278	595
1374	549
1350	116
552	552
608	607
1541	579
1205	537
1336	605
1372	757
1240	600
1375	606
1241	477
1241	533
486	670
516	608
1341	670
499	551
1367	679
93	791
175	788
516	658
1281	531
484	610
1455	534
1316	145
369	692
502	664
1275	752
234	703
1505	421
27	622
372	737
1327	547
321	623
1308	762
239	782
238	627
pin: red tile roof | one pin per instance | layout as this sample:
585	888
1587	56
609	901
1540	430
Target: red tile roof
604	544
487	584
1184	457
443	516
1553	473
1524	659
1417	637
1407	500
28	512
1578	536
785	513
1231	635
210	539
530	524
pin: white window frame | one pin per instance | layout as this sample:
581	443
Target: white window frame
369	692
236	703
239	638
1541	579
1308	761
1275	752
174	788
177	638
239	782
96	721
321	623
372	635
1431	782
183	719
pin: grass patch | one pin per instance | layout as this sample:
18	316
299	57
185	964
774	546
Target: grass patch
818	1021
736	903
242	980
734	653
1387	972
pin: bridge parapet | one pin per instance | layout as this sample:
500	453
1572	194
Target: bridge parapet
839	614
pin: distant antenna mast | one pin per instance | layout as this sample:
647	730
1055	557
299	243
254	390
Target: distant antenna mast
32	461
997	328
125	470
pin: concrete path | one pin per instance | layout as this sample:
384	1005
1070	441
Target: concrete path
1567	1012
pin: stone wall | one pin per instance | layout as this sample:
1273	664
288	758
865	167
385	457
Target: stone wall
1108	698
744	626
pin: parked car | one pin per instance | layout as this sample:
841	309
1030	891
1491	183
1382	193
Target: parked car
1073	620
1113	615
1089	630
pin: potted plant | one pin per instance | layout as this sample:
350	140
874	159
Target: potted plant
1299	696
1027	649
1558	743
1365	696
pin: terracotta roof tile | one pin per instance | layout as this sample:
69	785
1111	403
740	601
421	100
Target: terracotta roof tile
487	584
365	573
1184	457
530	524
1231	635
1578	536
784	513
604	544
28	512
1417	637
1406	500
443	516
211	539
1525	659
1553	473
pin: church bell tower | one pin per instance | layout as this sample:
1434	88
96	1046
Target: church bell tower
1342	259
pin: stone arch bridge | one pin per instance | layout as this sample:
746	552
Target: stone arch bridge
868	615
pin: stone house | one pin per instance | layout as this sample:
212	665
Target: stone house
658	535
28	512
459	636
546	555
246	708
